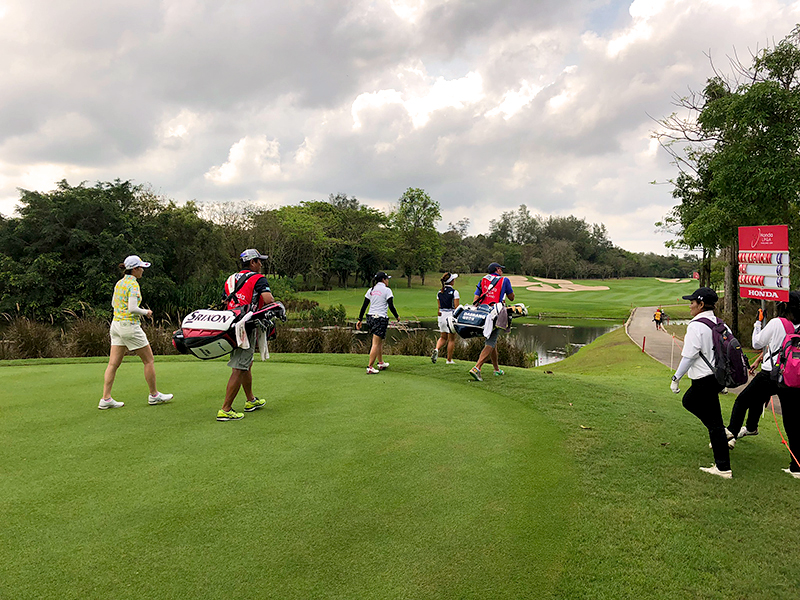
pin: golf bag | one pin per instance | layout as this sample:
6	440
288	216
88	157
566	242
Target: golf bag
468	321
212	333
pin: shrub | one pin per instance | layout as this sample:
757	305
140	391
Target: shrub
339	340
29	339
418	343
88	337
160	338
309	340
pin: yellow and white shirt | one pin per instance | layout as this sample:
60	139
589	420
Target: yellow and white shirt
127	296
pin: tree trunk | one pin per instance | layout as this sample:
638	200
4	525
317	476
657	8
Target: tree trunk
731	313
409	280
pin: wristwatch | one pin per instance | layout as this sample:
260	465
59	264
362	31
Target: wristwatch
674	378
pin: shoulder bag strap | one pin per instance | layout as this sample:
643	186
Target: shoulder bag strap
239	285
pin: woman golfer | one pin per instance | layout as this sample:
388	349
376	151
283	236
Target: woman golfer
379	298
762	387
702	397
126	334
447	300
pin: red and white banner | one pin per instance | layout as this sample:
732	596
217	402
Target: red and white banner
764	262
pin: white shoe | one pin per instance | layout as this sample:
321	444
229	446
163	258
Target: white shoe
745	431
159	398
450	362
434	355
371	371
795	474
110	403
382	365
713	470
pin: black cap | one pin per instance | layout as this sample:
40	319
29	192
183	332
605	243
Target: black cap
380	276
493	267
703	294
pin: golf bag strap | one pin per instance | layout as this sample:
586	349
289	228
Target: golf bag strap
489	289
706	361
239	285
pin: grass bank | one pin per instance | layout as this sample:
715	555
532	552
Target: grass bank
574	480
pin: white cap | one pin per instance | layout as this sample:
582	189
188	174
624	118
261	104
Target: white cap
452	278
134	261
252	254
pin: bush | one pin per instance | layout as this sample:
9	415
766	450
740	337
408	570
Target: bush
160	338
339	340
418	343
29	339
88	337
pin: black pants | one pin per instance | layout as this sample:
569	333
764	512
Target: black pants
751	401
790	409
702	400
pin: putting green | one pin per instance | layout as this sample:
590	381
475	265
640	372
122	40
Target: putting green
343	486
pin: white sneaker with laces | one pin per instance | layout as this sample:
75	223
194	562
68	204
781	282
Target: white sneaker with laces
795	474
159	398
713	470
450	362
371	371
109	403
382	365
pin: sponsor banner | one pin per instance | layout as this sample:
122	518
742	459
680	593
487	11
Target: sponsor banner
764	258
769	270
781	283
764	238
764	294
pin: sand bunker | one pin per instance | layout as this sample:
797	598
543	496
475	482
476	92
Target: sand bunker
549	285
673	280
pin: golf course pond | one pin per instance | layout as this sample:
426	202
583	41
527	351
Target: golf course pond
552	341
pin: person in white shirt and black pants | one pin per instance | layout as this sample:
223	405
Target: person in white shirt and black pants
702	397
380	300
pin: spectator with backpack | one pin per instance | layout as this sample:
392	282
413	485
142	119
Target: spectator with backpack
248	287
764	385
699	359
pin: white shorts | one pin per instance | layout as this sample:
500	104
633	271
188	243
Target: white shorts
443	321
130	335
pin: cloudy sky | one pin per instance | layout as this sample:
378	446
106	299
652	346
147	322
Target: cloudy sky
486	104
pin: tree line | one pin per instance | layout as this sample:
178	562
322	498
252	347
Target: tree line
59	252
736	145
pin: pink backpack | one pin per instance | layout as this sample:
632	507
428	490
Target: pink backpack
787	367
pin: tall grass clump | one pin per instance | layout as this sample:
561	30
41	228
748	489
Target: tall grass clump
88	337
160	337
418	343
339	340
27	338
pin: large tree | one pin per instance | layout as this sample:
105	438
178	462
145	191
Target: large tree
744	140
418	245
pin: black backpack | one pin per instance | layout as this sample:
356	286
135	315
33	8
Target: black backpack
730	364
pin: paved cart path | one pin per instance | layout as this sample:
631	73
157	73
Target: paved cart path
660	345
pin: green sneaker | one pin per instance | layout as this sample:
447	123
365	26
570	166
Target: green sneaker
499	372
230	415
254	404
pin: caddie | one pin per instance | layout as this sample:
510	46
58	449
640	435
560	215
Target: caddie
493	288
256	292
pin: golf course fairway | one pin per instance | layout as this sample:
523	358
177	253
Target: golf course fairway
344	486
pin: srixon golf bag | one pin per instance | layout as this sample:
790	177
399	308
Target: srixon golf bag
212	333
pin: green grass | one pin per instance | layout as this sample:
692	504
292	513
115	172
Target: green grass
614	303
574	480
344	486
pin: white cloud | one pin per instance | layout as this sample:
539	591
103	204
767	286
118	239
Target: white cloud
256	158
